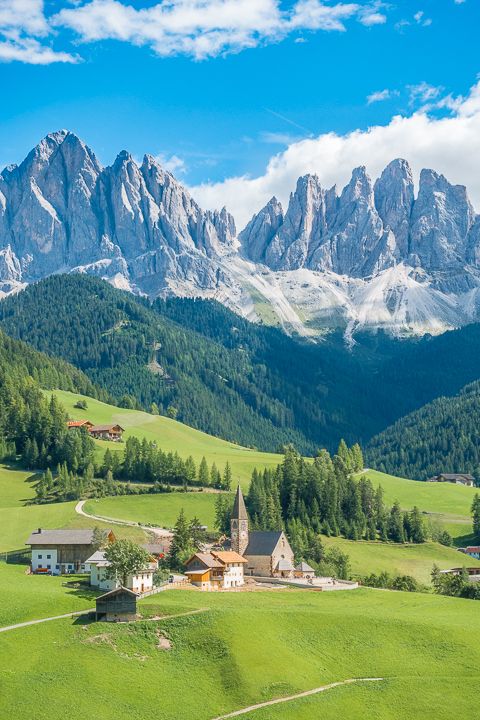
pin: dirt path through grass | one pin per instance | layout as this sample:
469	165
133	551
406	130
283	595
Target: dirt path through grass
306	693
48	619
160	532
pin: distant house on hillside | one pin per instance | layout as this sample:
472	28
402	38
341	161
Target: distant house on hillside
79	424
117	605
139	583
455	478
267	553
472	550
107	432
61	551
473	572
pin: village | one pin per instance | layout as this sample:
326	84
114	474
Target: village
248	560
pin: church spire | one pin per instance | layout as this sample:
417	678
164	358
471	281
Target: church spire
239	524
239	511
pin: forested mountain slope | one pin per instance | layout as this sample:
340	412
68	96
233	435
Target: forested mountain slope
253	385
443	436
229	377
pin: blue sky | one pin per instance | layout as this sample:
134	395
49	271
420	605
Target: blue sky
220	101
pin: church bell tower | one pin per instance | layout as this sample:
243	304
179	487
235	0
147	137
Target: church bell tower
239	524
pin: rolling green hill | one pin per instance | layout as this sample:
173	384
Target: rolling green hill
170	435
424	648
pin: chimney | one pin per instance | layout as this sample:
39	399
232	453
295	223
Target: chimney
39	530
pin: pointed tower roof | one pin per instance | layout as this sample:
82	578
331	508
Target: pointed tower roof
239	511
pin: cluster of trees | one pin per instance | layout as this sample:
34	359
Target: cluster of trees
440	437
455	585
31	424
143	461
188	538
78	476
406	583
323	496
476	516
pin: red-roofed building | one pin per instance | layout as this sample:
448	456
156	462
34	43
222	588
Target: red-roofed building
80	424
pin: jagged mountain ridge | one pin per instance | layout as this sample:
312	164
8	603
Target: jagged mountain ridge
373	255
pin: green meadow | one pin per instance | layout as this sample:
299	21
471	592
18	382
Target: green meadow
170	436
160	510
426	648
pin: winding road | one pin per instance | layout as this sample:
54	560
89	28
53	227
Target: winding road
160	532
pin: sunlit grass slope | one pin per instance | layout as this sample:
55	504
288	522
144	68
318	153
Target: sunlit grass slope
426	648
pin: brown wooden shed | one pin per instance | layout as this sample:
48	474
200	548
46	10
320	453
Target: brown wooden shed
117	605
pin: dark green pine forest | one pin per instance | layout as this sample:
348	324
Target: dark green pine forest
203	364
442	436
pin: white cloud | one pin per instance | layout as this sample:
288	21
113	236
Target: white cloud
206	28
423	92
172	163
22	22
31	51
381	95
450	145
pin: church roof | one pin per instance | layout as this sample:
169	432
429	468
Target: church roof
284	564
239	511
262	543
304	567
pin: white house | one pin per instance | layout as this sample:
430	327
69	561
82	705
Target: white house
97	565
62	551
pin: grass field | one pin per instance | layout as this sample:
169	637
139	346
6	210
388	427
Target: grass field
161	510
170	436
416	560
28	597
17	520
427	649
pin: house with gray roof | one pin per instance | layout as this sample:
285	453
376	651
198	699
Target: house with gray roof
64	551
268	554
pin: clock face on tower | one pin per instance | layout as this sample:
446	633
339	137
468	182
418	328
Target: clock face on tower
234	534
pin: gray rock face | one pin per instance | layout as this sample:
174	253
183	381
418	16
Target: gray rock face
394	197
366	229
60	210
385	252
441	220
261	229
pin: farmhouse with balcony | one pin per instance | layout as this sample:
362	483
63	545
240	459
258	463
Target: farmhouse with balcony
62	551
268	554
107	432
216	570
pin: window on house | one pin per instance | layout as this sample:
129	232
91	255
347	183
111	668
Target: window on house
40	557
49	557
49	567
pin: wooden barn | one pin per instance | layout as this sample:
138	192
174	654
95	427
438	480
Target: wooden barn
119	605
107	432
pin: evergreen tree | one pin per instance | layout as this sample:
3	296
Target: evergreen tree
203	474
476	515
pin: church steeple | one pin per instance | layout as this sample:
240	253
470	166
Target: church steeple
239	524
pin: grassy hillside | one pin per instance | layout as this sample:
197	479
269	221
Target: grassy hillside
415	560
159	510
170	436
425	647
18	518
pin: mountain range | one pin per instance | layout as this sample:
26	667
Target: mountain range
375	255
